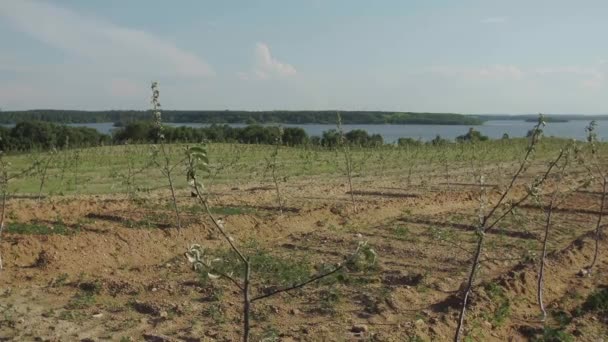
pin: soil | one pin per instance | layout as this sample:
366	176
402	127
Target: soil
120	274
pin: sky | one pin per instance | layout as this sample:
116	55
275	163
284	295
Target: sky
467	56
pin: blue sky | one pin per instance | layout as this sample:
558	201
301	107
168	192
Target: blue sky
478	56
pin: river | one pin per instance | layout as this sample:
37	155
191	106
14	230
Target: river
574	129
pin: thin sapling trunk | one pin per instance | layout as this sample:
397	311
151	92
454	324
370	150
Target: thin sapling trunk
548	224
43	168
166	167
198	161
487	221
596	170
274	171
347	160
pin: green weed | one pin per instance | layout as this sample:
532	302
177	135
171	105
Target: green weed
401	232
502	312
554	335
597	302
215	312
37	229
81	300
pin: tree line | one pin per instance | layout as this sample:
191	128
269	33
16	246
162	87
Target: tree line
123	117
28	135
144	131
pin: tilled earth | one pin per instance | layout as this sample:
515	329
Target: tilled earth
113	268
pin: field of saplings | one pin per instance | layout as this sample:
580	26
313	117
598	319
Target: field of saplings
475	241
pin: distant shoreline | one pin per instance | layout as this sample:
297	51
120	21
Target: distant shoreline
242	117
302	117
549	120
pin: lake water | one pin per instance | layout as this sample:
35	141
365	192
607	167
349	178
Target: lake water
494	129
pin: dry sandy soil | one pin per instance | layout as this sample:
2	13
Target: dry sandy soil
121	275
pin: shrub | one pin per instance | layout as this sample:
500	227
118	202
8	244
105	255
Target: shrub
597	302
471	136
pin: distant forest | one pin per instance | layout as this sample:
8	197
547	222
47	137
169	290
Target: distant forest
40	135
548	118
122	117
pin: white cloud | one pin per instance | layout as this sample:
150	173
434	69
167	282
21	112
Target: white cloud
569	69
106	47
501	72
265	66
15	93
12	64
122	87
492	72
494	20
594	82
593	76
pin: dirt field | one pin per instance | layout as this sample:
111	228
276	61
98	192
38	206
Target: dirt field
109	267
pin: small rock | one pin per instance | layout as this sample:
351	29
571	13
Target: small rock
294	312
583	272
420	323
156	338
434	330
154	289
164	314
98	315
359	328
406	325
146	308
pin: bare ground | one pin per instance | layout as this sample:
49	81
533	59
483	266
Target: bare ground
120	273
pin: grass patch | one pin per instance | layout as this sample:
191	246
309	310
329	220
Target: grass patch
59	280
215	312
561	317
81	300
329	298
224	211
221	211
37	229
85	298
401	232
233	210
140	224
269	269
503	310
597	302
553	335
71	316
93	171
